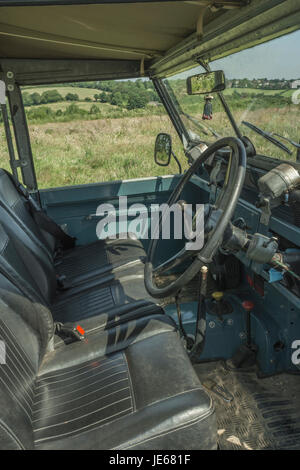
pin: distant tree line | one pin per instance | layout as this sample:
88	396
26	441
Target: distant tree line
124	94
49	96
43	114
261	83
127	94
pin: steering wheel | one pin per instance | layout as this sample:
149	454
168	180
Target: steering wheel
220	215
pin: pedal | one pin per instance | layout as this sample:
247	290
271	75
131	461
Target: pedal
244	357
222	392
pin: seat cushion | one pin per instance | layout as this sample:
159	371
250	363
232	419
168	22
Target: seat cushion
81	398
106	301
83	263
139	391
78	264
95	298
131	386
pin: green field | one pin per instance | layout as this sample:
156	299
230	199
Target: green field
100	150
286	93
119	144
109	149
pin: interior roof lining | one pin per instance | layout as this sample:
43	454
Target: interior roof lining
139	38
129	30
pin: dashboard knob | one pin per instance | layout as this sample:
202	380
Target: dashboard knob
248	305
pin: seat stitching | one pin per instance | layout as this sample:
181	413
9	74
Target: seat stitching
75	375
71	370
90	385
84	405
173	396
189	423
103	292
21	405
75	399
10	346
91	375
13	336
10	432
133	400
10	353
19	383
82	416
83	427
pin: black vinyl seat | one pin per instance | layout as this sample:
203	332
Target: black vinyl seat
130	387
99	258
99	303
77	264
114	295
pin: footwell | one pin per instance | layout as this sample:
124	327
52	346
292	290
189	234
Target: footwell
253	413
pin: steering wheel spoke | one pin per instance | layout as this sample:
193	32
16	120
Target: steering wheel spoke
219	217
179	258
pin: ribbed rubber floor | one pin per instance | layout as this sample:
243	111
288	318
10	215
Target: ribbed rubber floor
264	413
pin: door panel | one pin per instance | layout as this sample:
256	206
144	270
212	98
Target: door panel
75	207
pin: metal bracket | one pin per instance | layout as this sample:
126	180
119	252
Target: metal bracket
265	212
18	118
215	6
229	5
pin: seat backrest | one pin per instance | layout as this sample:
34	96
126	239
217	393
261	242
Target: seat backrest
26	334
13	201
23	264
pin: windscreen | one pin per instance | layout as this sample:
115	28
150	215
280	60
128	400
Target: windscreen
263	94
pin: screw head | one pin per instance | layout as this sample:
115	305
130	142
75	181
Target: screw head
10	87
211	324
10	74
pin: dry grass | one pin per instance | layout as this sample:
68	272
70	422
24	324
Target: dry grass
283	121
102	150
108	149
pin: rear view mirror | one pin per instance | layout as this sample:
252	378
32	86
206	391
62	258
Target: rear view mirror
203	83
163	149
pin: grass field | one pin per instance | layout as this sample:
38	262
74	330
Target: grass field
100	150
230	91
107	109
79	152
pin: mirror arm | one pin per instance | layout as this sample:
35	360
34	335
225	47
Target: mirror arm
177	161
230	116
226	108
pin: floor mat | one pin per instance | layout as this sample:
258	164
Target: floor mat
263	414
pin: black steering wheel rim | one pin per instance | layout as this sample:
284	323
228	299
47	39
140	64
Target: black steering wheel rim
227	203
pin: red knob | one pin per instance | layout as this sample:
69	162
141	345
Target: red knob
248	305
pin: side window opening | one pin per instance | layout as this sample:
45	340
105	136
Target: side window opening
91	132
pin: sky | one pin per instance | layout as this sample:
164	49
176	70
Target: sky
279	58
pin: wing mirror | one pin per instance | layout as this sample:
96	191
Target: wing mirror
163	150
203	83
